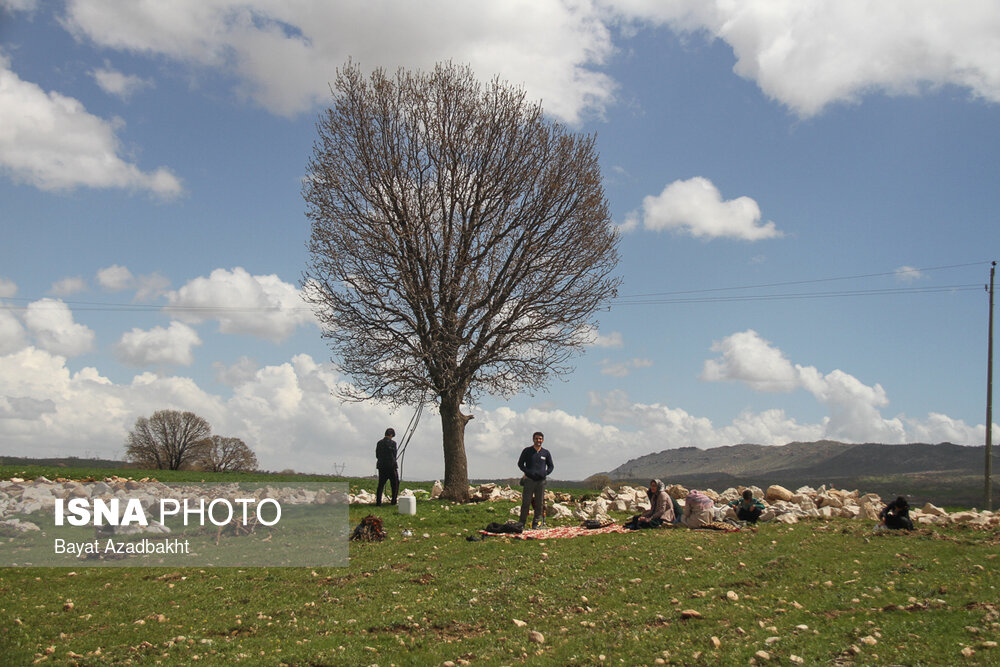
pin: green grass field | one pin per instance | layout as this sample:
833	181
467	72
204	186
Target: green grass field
819	593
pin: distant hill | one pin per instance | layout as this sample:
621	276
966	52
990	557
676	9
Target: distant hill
943	473
63	462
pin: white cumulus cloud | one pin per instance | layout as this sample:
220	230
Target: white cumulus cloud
806	55
287	414
69	286
171	345
52	142
8	288
12	334
748	358
696	207
594	338
809	54
50	322
623	368
244	370
118	84
115	278
854	406
263	306
285	54
908	274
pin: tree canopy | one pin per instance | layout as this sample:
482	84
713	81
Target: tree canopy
221	454
172	440
460	242
167	440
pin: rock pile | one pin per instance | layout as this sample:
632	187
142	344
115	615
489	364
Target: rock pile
20	498
781	505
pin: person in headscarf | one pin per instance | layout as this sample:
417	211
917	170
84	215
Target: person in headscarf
660	511
698	510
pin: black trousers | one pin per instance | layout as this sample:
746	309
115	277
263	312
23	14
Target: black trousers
750	515
390	475
894	522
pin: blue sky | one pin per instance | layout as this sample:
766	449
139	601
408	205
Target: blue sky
806	191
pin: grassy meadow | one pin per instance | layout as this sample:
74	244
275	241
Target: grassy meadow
813	593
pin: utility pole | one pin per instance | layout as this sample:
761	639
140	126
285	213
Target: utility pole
989	398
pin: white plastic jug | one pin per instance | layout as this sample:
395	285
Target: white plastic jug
407	504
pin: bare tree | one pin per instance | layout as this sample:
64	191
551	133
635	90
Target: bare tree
167	440
461	242
227	455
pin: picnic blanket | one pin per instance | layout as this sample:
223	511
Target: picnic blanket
561	532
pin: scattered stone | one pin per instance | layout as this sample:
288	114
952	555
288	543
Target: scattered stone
519	623
732	596
762	655
691	613
536	637
716	642
869	640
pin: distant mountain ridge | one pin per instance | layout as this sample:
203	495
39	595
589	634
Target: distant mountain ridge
944	470
824	457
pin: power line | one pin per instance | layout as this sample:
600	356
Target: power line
145	307
806	282
650	298
635	301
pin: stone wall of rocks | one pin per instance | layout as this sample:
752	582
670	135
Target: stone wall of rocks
785	506
20	498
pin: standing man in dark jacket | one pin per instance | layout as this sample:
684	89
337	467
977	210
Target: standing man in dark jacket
388	470
536	464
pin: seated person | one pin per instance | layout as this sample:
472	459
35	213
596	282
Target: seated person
660	511
747	508
896	515
698	510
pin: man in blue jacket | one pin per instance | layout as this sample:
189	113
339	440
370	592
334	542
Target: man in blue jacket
536	464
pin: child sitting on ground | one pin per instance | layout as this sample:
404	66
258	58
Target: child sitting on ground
747	508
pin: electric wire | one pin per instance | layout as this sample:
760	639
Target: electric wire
897	272
648	298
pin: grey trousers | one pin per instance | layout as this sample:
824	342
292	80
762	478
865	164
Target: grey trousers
533	490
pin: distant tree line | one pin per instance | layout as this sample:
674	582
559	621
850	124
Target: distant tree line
174	440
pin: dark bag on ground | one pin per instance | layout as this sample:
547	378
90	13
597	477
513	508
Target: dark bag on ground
511	527
369	530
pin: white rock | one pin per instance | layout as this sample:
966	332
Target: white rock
775	492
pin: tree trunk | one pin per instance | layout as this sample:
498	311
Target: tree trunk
456	467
